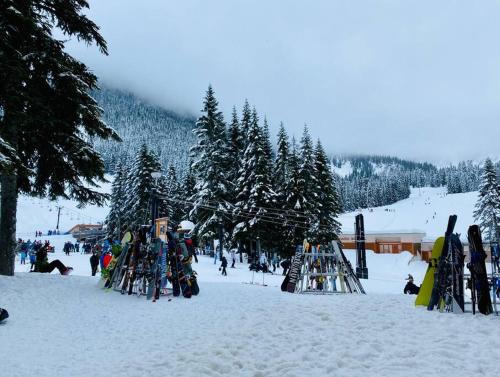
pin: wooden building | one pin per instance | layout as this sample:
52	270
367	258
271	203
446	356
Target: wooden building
388	242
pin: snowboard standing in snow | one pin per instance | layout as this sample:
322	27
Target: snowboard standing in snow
443	271
154	254
477	268
457	268
294	273
424	295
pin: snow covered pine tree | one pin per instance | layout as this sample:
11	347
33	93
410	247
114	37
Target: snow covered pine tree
47	112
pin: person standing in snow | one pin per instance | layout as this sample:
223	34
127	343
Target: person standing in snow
275	262
263	263
42	263
94	263
286	265
233	257
223	266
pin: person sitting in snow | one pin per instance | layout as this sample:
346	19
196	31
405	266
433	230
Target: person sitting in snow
42	263
3	314
410	287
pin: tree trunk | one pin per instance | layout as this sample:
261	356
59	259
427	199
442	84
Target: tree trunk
8	210
8	201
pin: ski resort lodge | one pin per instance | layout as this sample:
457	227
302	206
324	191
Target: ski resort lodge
396	242
388	242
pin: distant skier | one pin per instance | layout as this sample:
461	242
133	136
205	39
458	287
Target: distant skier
410	287
224	266
3	315
94	263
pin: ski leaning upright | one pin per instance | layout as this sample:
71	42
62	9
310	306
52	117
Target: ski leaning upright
346	273
477	268
443	272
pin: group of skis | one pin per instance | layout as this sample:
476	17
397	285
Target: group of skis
443	285
145	266
311	265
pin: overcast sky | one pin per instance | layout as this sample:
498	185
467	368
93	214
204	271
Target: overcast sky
416	79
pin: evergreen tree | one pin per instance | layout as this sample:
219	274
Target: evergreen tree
142	187
307	184
174	194
255	194
188	191
294	226
281	167
210	160
48	117
164	201
235	151
268	148
246	121
115	219
325	226
488	204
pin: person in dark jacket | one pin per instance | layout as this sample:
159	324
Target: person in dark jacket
3	314
42	263
223	266
410	287
286	265
94	263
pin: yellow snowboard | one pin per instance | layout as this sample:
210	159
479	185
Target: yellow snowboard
424	295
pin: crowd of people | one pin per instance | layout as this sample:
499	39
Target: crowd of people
37	252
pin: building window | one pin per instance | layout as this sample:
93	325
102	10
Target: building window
385	248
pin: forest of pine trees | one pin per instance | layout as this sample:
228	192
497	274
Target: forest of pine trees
236	180
373	181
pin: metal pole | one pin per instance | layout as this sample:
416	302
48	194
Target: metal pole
58	216
221	240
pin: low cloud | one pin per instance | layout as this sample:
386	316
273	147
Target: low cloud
416	79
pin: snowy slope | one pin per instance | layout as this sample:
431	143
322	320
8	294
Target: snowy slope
66	326
427	209
41	214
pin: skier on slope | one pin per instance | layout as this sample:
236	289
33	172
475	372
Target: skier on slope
410	287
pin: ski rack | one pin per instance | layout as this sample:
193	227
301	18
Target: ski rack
325	269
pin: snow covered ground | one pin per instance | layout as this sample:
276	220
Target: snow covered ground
66	326
427	209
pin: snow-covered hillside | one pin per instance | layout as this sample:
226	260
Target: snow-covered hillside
41	214
427	209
